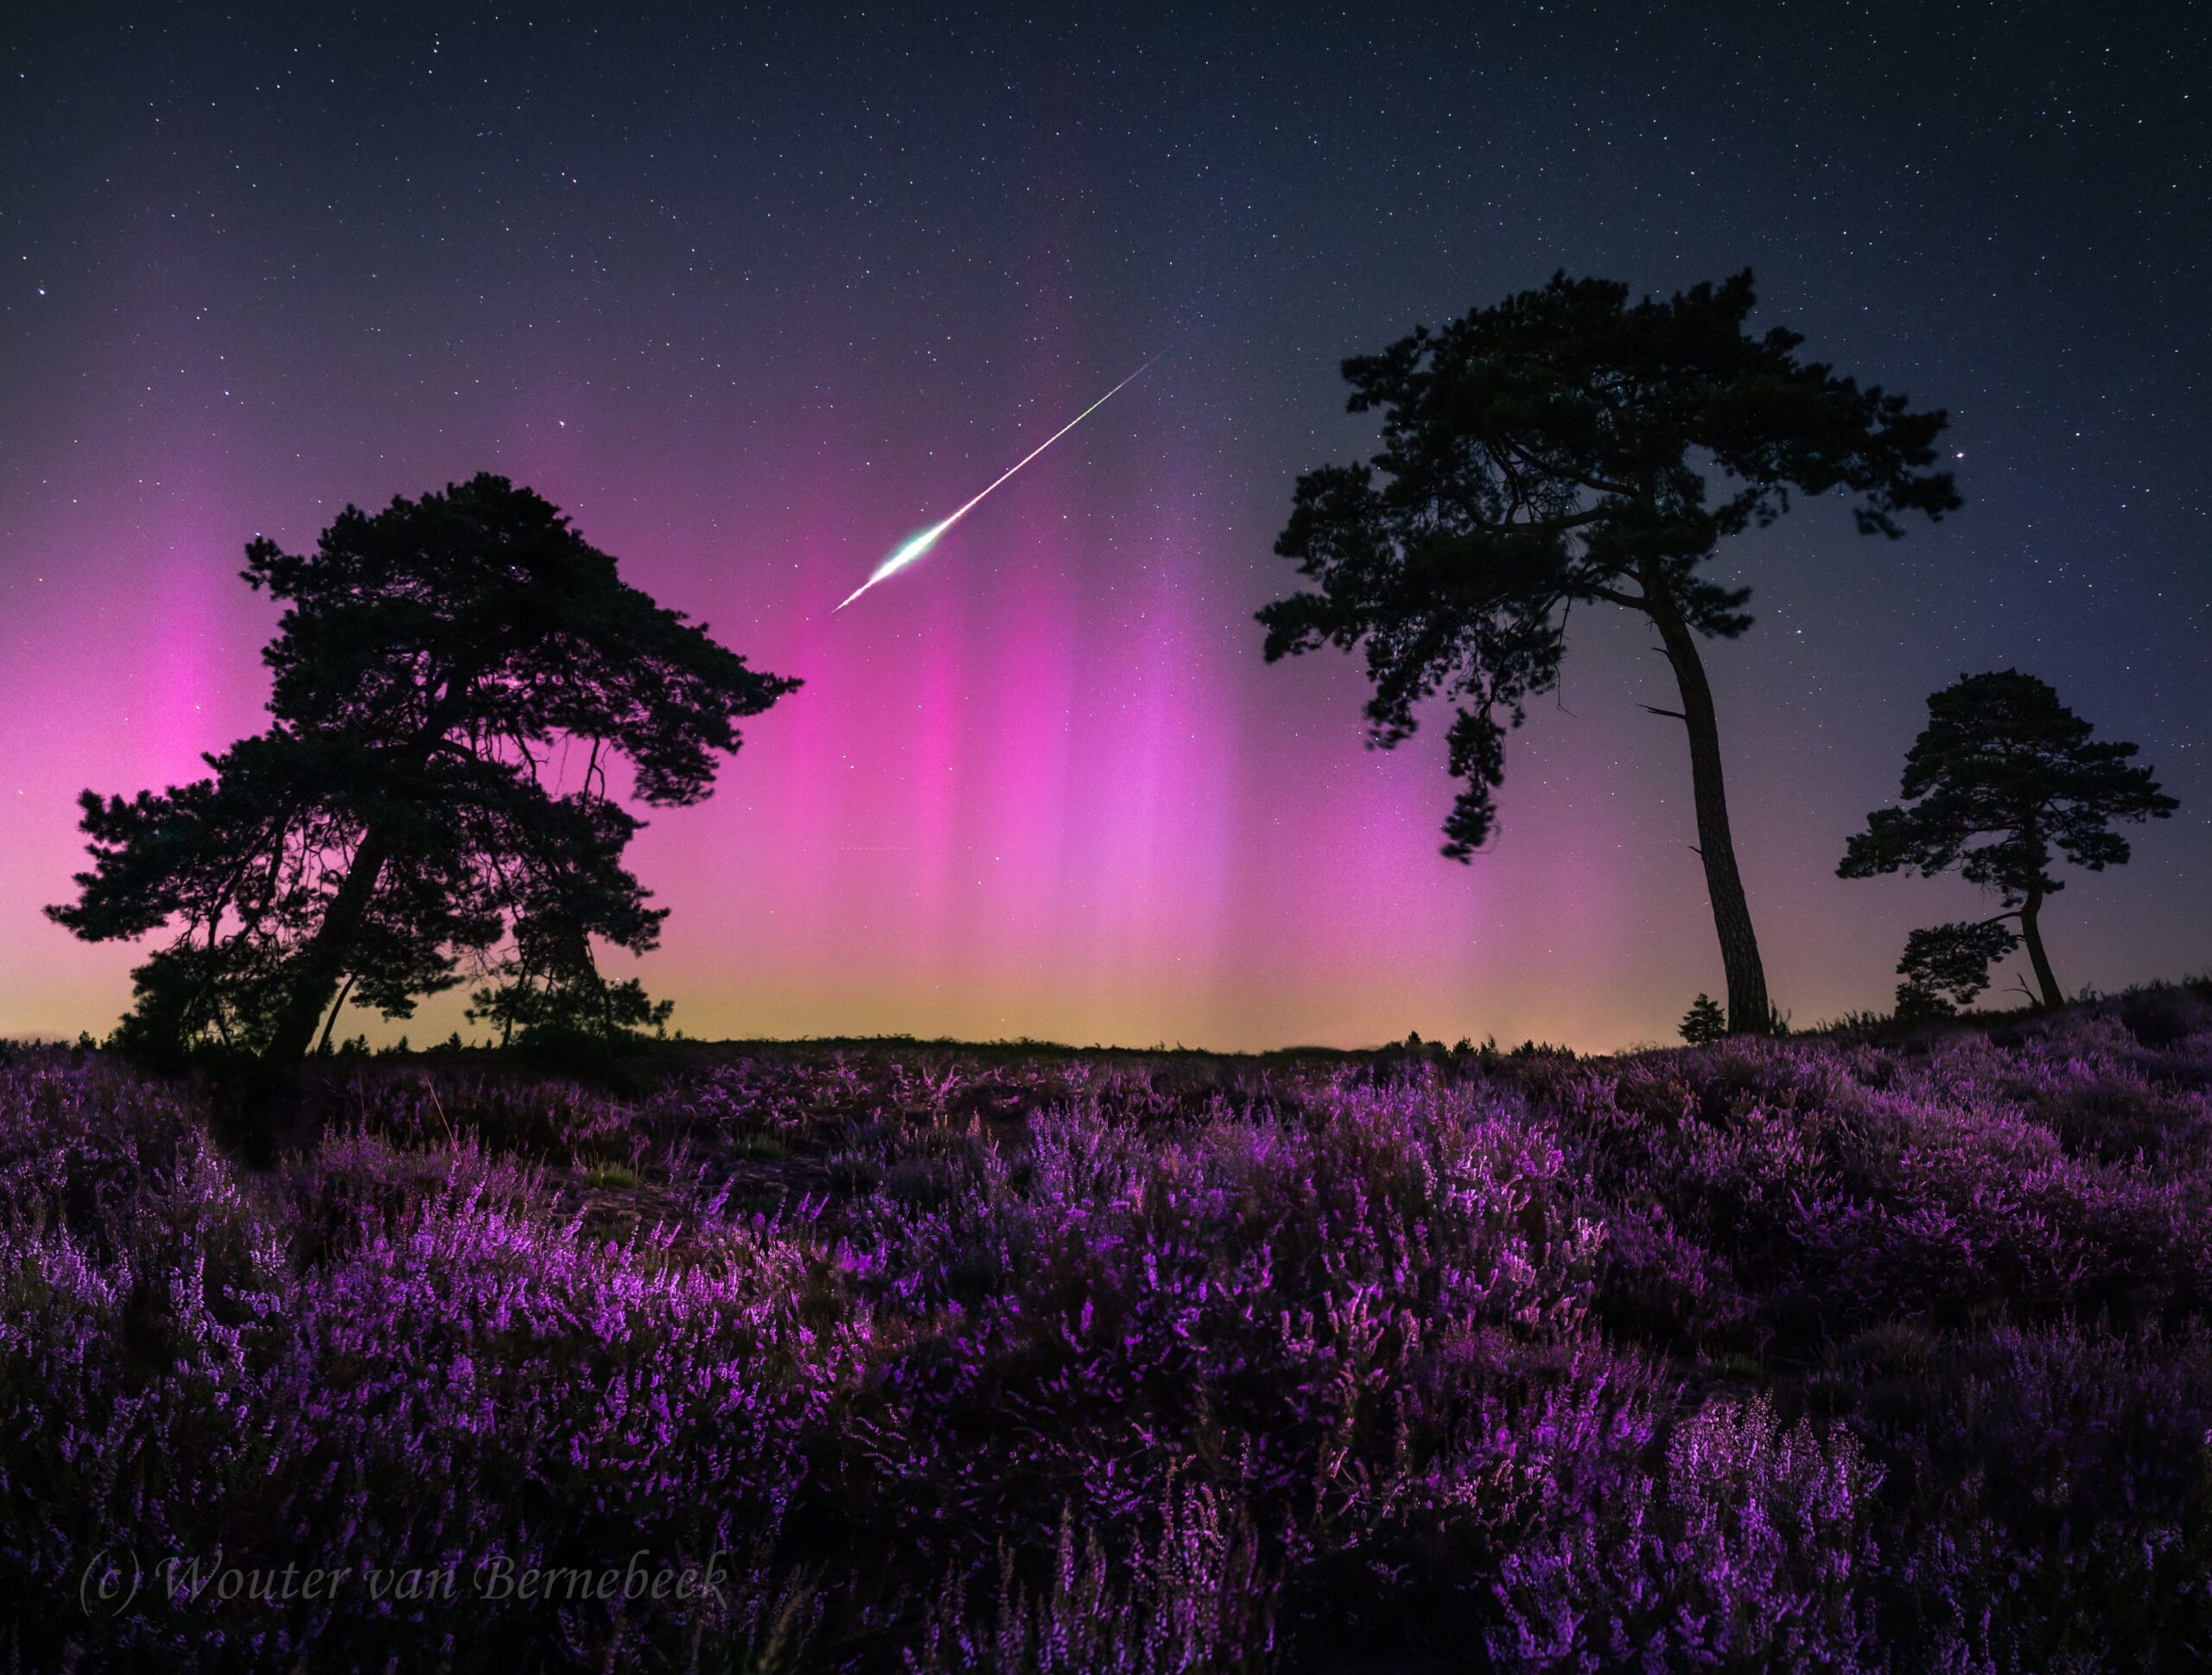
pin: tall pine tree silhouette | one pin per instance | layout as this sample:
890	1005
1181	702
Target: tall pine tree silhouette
1568	447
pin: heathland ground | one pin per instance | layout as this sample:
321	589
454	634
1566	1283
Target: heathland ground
1824	1353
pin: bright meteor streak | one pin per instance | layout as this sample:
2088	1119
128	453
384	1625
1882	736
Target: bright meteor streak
921	543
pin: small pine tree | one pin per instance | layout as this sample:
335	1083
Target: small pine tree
1704	1023
1946	966
2002	775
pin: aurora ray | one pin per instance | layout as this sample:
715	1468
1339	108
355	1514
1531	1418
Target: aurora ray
915	546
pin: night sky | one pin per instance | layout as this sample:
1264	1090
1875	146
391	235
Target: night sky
754	295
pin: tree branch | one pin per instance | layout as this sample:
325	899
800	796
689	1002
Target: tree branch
1598	484
1614	596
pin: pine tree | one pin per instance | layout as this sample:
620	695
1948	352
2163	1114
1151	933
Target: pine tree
1568	448
1704	1023
394	823
2002	776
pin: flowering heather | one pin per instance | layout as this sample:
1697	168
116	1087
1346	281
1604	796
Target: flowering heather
1809	1354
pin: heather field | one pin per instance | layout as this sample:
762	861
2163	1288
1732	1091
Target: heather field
1814	1353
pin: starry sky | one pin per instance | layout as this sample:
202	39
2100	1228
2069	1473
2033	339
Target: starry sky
756	293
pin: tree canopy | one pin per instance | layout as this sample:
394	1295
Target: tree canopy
404	817
2003	781
1570	446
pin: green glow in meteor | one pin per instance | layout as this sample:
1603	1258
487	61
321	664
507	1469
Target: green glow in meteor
917	545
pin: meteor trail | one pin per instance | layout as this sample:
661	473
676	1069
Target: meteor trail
921	543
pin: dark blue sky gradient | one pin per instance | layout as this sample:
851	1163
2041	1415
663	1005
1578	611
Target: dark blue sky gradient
757	292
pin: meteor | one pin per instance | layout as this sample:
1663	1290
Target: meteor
917	545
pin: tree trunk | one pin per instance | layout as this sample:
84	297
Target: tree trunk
336	1006
322	961
1749	1011
2030	934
